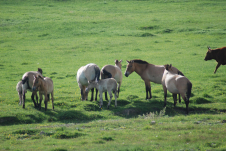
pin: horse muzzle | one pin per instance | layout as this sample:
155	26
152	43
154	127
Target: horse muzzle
126	74
34	88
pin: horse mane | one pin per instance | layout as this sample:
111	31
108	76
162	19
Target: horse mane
140	61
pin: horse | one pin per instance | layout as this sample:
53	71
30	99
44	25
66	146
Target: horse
45	87
86	74
176	84
27	82
104	85
110	71
148	72
20	92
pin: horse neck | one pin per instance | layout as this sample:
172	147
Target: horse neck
118	66
140	68
43	84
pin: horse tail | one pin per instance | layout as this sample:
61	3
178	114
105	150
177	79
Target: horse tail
97	73
106	74
189	87
26	80
180	73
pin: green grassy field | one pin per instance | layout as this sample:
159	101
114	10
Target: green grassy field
60	36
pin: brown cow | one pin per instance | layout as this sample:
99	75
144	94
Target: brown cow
218	54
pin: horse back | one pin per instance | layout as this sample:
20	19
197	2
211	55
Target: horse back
115	72
49	84
28	78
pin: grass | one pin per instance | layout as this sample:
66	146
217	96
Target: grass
60	36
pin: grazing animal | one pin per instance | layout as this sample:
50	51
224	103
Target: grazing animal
86	74
218	54
176	84
110	71
148	72
45	87
20	91
105	85
27	82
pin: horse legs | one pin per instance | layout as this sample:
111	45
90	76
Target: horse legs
23	96
115	98
96	95
109	103
46	101
20	96
165	95
101	99
33	98
218	65
179	98
175	99
186	102
148	89
52	100
119	85
92	90
40	101
106	96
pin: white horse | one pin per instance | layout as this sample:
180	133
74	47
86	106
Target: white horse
176	84
104	85
86	74
110	71
27	82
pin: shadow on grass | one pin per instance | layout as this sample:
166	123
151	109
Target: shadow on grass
131	107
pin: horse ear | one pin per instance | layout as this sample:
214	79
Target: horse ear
116	61
120	61
127	61
170	65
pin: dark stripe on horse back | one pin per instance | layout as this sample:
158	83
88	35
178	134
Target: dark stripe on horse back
106	73
140	61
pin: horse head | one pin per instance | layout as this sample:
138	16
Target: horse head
129	68
118	63
37	82
168	67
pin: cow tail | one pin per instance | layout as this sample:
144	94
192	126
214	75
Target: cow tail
97	73
189	87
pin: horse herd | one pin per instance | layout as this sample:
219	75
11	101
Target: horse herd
88	78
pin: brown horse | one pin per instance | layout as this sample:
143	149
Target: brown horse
176	84
148	72
27	82
45	87
110	71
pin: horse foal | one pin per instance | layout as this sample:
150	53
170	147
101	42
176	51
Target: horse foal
110	71
45	87
176	84
105	85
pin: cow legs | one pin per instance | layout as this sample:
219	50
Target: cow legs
148	89
218	65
